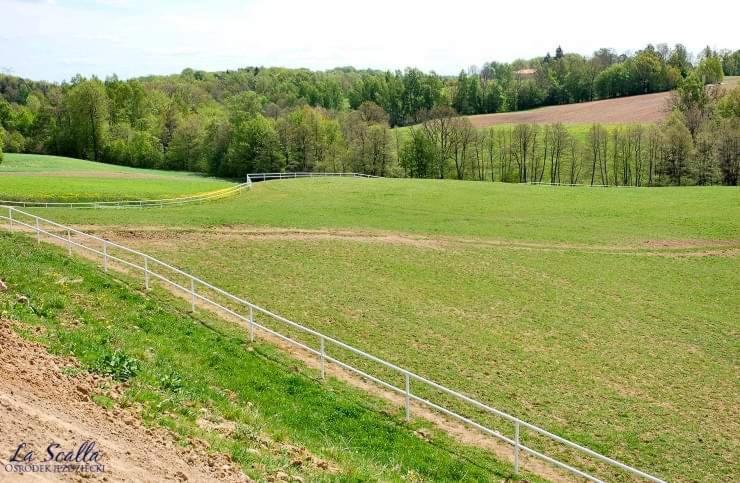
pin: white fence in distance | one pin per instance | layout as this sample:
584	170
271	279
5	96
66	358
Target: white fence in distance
212	195
151	267
184	200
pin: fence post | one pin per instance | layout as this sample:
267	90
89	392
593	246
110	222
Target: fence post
105	255
10	216
38	231
323	355
192	294
69	242
251	324
516	447
146	272
408	397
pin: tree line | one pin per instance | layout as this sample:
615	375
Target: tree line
697	144
273	119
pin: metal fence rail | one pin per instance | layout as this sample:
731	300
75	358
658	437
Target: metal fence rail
210	196
194	288
303	174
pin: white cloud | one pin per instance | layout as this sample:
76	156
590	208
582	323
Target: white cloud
133	37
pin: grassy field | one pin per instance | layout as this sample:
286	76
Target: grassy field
25	177
276	408
606	315
601	216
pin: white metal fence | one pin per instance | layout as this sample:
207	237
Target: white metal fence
303	174
412	387
210	196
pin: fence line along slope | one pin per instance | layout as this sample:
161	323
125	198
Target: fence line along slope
198	289
268	413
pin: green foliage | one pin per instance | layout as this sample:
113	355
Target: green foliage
417	155
118	365
729	105
677	148
710	70
275	119
731	62
87	105
171	382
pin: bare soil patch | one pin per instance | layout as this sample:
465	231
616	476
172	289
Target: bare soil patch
159	234
41	404
647	108
163	236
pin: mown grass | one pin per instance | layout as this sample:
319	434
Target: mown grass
188	366
628	349
29	177
460	208
633	354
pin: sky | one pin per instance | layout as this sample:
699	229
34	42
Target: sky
56	39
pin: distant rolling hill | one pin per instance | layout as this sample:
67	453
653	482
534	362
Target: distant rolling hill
647	108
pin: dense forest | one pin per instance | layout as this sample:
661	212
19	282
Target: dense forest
274	119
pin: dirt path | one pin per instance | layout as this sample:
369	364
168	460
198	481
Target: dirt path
162	236
41	405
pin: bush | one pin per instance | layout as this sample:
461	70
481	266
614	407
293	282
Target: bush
171	382
14	142
118	365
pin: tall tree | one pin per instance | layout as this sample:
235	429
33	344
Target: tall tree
87	105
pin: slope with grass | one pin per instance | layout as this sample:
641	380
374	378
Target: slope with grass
508	212
30	177
608	316
269	413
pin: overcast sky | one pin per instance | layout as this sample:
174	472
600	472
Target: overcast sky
55	39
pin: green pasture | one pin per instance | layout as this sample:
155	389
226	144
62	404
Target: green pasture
578	215
607	315
633	353
275	405
27	177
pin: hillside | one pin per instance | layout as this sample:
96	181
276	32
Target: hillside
499	211
643	109
646	108
223	407
29	177
538	299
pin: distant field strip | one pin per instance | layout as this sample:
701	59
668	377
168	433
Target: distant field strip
159	203
213	195
199	292
641	109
